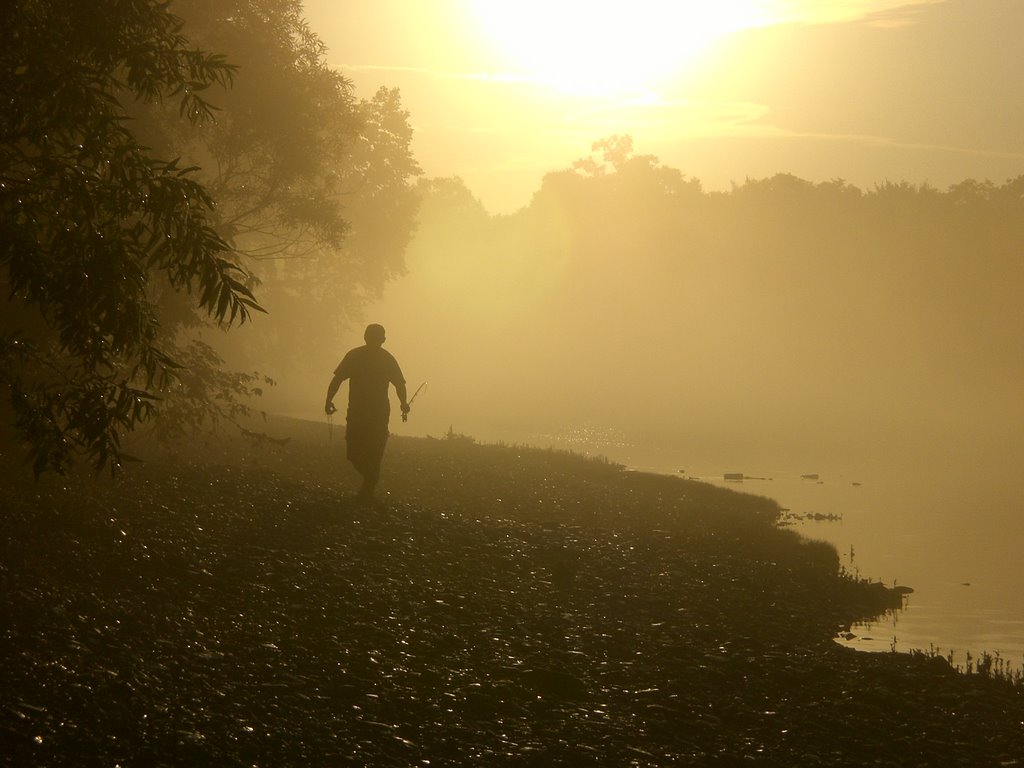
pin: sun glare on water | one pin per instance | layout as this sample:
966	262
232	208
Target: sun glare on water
601	49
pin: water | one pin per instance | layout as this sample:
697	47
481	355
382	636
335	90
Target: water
956	549
951	530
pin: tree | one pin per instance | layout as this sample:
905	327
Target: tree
93	225
314	185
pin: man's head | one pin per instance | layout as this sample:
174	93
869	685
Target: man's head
374	335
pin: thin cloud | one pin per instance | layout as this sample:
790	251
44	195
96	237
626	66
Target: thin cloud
484	77
864	139
687	119
682	116
880	12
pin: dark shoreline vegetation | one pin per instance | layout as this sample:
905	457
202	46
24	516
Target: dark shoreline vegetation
229	604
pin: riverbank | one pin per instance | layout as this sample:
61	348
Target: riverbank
232	604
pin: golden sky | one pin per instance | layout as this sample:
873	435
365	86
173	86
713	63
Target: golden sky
865	90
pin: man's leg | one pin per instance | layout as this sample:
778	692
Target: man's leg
370	477
355	444
375	443
365	443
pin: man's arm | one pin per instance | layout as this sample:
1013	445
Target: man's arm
402	396
399	381
332	390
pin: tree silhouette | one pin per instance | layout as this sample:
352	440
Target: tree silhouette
781	300
117	261
313	185
92	223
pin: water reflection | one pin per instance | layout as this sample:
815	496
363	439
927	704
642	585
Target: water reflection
936	536
950	531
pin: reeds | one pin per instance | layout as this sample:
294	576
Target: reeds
991	665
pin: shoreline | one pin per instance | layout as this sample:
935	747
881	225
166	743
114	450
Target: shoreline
962	607
505	604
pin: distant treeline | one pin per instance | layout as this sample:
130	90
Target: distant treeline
779	295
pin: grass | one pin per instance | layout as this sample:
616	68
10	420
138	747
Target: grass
230	604
992	665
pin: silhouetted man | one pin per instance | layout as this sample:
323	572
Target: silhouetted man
369	369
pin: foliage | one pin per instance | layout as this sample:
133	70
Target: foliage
204	394
90	218
267	158
102	238
312	183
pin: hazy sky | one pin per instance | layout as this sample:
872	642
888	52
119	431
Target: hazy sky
865	90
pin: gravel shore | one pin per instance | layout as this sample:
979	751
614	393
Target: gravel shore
232	604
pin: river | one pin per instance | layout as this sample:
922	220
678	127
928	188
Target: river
953	531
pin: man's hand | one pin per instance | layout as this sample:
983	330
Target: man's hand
329	408
405	411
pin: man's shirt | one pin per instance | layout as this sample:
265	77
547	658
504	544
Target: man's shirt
369	369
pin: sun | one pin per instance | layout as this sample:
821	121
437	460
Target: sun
602	49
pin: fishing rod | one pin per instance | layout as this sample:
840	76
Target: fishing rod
405	416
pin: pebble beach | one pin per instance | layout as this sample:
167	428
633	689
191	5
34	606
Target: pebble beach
230	603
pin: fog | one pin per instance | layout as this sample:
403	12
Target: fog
786	320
